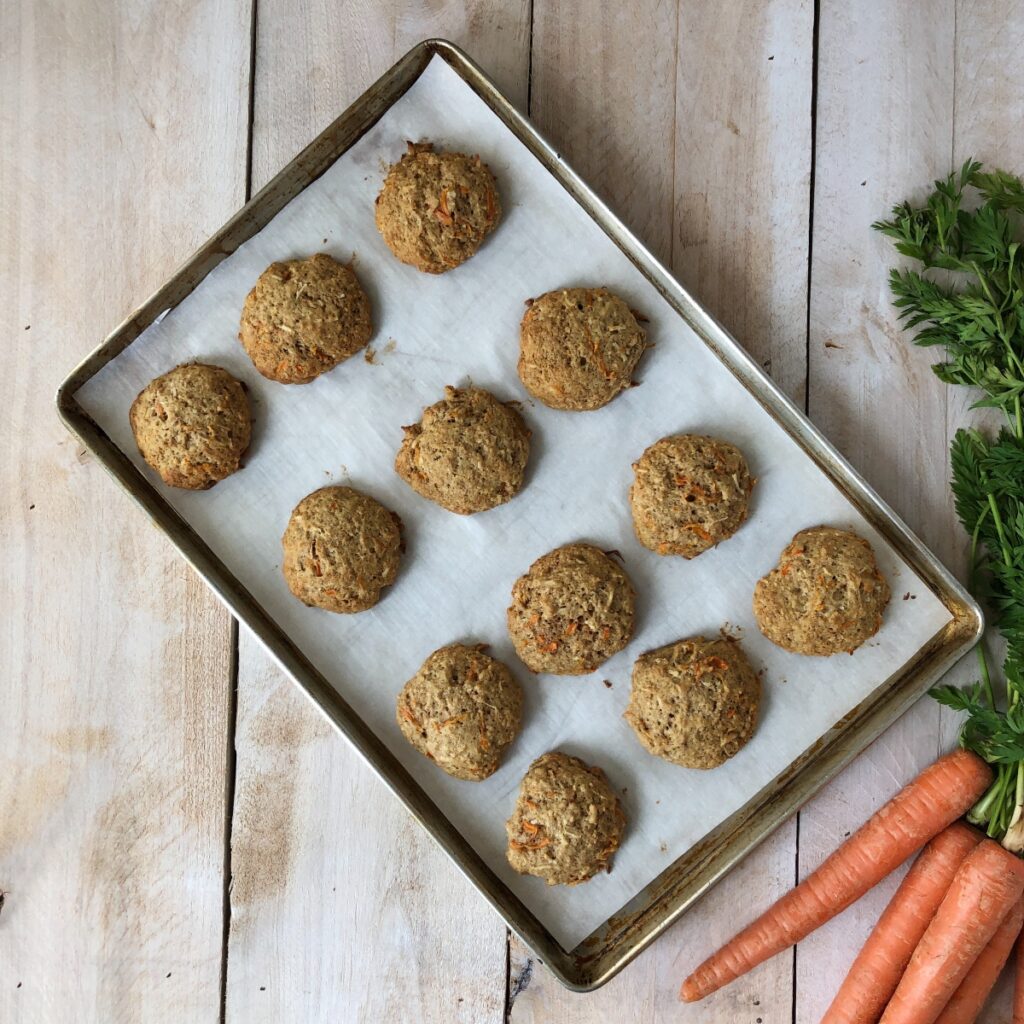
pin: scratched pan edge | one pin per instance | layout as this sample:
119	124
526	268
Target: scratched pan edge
654	909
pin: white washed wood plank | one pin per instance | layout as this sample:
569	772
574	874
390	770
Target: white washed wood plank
695	124
988	112
115	687
884	130
341	906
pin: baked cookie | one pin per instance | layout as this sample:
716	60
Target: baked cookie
578	348
689	493
825	596
303	317
435	209
571	612
694	702
192	425
462	709
341	548
468	453
567	822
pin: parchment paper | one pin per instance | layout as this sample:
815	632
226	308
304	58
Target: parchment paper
458	571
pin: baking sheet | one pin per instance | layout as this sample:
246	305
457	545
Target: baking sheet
462	327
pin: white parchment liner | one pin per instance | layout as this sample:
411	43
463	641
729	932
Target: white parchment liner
455	581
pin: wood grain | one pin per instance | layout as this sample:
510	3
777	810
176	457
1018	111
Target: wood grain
116	659
886	98
915	94
341	906
122	146
724	198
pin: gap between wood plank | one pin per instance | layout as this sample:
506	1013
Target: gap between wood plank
807	379
231	754
507	1015
230	765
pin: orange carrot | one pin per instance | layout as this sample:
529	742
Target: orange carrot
986	886
935	799
1018	985
876	972
969	998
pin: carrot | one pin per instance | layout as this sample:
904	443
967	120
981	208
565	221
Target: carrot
986	886
880	964
935	799
1018	985
969	998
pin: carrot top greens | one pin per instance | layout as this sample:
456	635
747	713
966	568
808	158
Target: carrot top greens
969	230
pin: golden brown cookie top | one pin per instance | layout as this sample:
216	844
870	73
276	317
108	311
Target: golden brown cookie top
571	611
435	209
825	596
303	317
694	702
462	709
578	348
690	492
468	453
341	548
192	425
567	822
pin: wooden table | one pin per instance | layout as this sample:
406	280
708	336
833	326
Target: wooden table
181	837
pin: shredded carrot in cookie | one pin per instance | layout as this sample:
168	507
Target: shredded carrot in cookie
711	664
442	213
408	716
699	530
539	845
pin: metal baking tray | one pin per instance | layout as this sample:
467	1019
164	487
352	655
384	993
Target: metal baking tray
613	945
